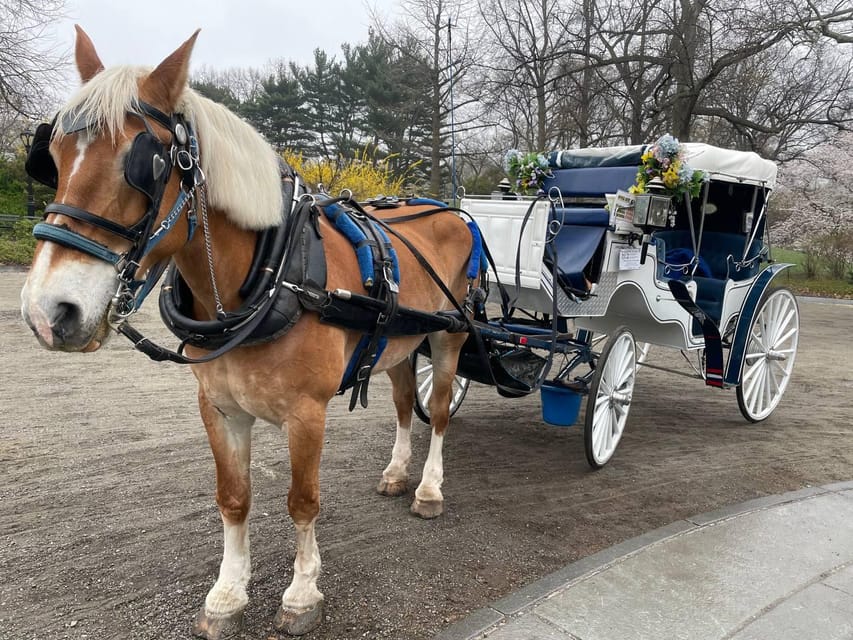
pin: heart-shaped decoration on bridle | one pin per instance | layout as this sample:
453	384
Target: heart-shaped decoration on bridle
159	166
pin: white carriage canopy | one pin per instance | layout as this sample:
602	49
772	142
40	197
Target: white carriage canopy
722	164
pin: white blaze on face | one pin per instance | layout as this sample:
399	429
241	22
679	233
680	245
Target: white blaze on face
73	280
84	139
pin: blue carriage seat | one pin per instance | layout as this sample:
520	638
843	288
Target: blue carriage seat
719	261
720	254
591	182
581	229
579	236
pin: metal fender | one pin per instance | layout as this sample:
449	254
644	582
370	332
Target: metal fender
747	313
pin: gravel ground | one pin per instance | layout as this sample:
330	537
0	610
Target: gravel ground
112	530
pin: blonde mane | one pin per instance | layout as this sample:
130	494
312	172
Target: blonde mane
242	170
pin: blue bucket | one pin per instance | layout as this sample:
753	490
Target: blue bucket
560	405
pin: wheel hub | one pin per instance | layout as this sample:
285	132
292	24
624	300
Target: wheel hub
620	398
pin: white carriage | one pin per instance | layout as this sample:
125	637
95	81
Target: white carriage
693	275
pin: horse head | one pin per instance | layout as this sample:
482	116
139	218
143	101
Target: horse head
115	155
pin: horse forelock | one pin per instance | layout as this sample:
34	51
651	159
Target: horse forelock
243	178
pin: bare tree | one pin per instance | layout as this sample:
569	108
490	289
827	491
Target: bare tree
29	63
523	59
434	35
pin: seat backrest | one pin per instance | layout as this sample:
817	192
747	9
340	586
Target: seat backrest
590	182
719	251
581	216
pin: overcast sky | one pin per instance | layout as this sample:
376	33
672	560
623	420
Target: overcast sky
234	33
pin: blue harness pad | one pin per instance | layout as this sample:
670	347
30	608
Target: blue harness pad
364	249
477	261
418	201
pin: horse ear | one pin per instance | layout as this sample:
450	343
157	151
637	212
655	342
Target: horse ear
88	62
168	81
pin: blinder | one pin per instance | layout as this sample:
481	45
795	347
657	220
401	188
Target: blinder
146	163
39	164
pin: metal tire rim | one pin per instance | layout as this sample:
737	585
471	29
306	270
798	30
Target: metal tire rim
610	398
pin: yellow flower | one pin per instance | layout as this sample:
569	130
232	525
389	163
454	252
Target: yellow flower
635	189
670	178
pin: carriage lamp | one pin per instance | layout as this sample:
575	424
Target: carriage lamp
652	209
27	140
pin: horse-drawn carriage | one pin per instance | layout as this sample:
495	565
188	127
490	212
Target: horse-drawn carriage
692	274
281	298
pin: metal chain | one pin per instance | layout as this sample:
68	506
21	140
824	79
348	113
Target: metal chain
202	197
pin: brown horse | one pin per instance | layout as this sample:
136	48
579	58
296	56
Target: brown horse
120	162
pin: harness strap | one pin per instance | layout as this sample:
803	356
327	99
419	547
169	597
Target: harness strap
471	326
128	233
73	240
380	275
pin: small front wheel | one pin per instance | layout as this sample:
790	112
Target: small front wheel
422	366
770	353
610	395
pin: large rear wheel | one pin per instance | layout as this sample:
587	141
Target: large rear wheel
770	353
610	395
422	366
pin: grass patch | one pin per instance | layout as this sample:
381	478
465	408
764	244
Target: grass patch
795	278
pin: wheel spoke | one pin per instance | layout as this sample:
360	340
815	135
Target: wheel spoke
752	370
787	336
425	389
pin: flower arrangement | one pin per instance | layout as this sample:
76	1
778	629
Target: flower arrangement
527	170
665	160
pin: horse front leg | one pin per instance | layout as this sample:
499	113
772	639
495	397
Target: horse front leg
395	478
301	607
229	436
444	347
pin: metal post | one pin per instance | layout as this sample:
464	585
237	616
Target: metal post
452	116
27	139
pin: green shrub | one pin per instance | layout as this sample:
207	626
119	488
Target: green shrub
18	245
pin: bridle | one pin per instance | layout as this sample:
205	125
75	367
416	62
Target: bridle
148	169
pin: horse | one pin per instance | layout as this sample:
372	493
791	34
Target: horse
130	142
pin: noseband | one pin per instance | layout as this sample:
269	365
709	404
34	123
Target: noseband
148	168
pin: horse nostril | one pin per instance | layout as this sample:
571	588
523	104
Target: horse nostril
67	320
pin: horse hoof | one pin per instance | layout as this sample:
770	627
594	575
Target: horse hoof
298	622
217	627
395	488
427	509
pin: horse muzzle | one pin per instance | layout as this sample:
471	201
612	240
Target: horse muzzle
61	326
66	308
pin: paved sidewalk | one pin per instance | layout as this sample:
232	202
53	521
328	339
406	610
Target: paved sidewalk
775	568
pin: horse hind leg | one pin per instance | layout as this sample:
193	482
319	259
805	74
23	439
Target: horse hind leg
395	477
444	347
230	441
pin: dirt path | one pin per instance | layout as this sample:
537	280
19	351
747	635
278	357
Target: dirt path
111	531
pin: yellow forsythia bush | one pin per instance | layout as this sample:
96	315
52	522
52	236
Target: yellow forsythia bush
363	177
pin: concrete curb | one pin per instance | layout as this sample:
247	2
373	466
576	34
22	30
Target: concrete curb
473	626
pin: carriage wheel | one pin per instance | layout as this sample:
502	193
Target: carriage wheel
422	366
610	395
770	353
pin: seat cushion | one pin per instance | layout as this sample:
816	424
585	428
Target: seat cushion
572	249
